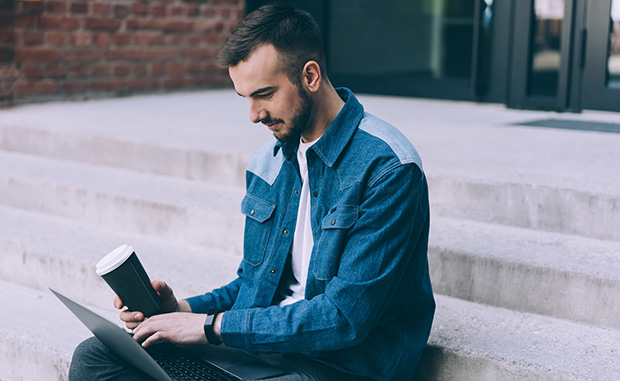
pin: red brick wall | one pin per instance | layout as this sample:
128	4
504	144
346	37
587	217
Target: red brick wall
62	49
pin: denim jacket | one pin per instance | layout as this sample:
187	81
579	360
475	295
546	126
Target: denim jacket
369	304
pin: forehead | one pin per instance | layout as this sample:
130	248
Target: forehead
261	69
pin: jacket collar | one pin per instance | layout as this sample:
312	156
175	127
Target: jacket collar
337	135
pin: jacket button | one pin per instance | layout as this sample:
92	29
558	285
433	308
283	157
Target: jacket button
315	194
251	212
273	271
296	191
333	222
285	231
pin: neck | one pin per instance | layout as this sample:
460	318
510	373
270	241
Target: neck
327	105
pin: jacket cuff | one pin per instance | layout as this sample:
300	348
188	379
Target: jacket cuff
201	304
236	328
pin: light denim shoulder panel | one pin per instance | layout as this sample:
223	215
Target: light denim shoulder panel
264	165
402	147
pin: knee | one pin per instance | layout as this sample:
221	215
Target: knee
88	355
88	350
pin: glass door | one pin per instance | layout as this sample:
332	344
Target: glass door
600	55
541	54
425	48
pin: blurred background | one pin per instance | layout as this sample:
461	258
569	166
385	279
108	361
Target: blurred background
537	54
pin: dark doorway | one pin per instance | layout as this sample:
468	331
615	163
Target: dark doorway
600	55
561	55
427	48
541	54
566	55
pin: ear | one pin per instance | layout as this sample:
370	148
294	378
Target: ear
311	76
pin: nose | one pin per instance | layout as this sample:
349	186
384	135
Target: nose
257	113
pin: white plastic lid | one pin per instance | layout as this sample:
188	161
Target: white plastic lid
114	259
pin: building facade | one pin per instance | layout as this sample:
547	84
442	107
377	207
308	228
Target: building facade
559	55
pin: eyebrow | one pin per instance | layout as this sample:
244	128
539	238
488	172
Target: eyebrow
260	91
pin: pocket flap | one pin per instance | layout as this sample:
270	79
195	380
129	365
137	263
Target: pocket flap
256	208
341	217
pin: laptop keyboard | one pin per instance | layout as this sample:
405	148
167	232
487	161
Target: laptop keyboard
180	367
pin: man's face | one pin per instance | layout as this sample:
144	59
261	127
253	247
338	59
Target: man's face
274	100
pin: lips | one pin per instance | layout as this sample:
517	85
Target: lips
272	124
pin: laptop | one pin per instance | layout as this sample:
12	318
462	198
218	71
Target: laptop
169	362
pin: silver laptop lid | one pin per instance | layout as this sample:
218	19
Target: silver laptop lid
116	339
234	361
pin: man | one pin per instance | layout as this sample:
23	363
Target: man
334	279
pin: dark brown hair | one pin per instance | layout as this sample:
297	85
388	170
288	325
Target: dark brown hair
293	32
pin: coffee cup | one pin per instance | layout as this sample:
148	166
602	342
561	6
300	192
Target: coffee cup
122	271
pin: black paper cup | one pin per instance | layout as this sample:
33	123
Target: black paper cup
123	272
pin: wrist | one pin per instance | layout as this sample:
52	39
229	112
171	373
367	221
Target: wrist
183	306
217	326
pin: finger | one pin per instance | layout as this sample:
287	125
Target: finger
164	290
118	303
154	338
144	330
139	332
132	316
131	326
158	284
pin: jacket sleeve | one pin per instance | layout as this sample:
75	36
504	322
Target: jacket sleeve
377	253
221	299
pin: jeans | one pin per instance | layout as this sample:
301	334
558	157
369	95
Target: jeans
94	362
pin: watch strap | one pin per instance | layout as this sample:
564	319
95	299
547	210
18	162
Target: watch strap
208	327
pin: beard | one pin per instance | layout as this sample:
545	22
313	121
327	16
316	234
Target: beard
299	121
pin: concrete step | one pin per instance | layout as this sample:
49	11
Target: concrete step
509	202
136	165
164	158
199	135
41	251
536	193
469	341
38	334
551	274
588	213
178	209
515	201
474	342
150	204
481	165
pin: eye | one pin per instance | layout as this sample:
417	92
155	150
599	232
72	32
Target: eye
268	95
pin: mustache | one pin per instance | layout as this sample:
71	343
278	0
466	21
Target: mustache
271	121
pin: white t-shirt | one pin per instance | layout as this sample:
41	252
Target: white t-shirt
302	240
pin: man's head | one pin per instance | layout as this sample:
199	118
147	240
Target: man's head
275	59
294	34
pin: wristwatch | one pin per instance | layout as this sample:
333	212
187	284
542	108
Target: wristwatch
209	321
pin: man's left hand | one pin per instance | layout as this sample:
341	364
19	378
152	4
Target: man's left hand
176	327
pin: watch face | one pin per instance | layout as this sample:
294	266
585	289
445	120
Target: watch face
209	320
209	330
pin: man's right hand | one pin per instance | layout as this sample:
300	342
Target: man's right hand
169	304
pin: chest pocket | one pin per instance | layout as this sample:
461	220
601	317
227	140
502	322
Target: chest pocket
335	227
258	223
